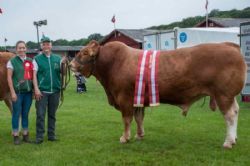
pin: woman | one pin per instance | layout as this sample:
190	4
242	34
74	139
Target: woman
19	75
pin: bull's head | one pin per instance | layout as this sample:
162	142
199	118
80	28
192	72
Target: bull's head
84	61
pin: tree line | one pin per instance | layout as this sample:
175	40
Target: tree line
192	21
63	42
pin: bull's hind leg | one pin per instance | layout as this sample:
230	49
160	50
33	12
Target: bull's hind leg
230	110
127	119
139	116
231	118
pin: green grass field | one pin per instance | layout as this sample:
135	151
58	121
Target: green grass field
89	130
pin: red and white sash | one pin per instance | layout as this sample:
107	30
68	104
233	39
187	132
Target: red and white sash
147	75
153	79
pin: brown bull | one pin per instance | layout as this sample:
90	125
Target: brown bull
4	88
185	75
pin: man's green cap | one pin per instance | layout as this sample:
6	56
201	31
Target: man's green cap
45	39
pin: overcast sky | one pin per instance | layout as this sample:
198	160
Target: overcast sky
75	19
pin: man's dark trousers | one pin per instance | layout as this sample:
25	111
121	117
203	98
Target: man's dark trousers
49	102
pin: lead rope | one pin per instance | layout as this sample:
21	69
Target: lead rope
65	79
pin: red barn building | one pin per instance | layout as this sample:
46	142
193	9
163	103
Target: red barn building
131	37
223	22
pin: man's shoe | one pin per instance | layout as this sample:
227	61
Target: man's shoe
52	139
26	138
17	140
38	142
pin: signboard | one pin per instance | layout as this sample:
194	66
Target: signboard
183	37
160	41
245	50
150	42
167	41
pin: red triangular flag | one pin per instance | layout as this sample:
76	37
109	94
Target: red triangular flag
113	19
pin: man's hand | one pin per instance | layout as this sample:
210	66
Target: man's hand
38	94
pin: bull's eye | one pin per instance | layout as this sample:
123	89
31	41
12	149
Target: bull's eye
85	52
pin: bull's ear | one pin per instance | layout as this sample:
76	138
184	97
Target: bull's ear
93	48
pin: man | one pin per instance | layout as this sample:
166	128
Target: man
46	80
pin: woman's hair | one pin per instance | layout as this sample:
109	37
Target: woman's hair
19	42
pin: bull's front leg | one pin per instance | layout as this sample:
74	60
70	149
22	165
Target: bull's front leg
127	119
139	116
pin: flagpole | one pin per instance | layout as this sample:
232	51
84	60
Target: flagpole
206	6
5	47
114	29
206	18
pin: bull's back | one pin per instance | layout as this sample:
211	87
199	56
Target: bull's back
223	67
189	73
4	57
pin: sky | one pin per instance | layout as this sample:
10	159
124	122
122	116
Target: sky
75	19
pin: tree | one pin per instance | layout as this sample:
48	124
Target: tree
60	42
95	36
2	48
80	42
214	13
31	45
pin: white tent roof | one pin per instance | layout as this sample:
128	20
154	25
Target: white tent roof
194	36
210	29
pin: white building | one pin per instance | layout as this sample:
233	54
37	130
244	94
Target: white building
187	37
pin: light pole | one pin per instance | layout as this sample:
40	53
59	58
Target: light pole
38	24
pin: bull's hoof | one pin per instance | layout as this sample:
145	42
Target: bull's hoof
123	140
137	137
227	145
233	142
184	113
